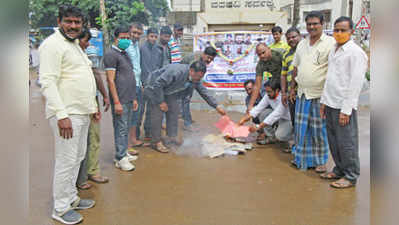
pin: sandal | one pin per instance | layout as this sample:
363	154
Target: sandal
329	176
132	151
98	179
138	145
321	169
342	183
84	186
160	147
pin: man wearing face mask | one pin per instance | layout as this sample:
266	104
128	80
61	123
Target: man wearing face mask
68	84
122	89
347	64
276	113
171	83
310	70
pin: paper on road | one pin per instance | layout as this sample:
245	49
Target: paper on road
231	129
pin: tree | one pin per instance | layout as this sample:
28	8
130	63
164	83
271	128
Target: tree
43	13
296	13
158	8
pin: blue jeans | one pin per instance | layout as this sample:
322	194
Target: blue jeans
185	106
121	129
137	115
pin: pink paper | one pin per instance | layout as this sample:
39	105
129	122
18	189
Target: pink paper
231	129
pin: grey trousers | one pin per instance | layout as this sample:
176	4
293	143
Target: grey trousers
172	116
344	144
284	130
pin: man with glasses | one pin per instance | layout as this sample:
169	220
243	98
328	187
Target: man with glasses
310	70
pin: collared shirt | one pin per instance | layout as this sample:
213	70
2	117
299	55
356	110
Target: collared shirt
134	54
279	110
312	64
175	52
271	69
287	67
347	67
151	59
66	77
281	46
125	82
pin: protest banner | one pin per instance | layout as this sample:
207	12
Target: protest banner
236	60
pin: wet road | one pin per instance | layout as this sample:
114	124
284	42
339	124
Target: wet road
259	188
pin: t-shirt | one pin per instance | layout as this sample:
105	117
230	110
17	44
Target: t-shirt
125	82
287	67
270	69
281	46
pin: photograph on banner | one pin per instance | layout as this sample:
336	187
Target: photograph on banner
236	60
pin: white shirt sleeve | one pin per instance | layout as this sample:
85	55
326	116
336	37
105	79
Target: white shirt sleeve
260	106
275	115
358	68
49	74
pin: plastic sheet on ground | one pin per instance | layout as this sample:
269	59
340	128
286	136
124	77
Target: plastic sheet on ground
231	129
216	145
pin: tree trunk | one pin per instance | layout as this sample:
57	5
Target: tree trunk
296	13
103	15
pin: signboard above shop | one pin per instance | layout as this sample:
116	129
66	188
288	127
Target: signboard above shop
221	4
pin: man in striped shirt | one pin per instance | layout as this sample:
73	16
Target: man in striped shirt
293	37
175	43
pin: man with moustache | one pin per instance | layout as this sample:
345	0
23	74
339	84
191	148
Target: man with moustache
268	68
69	87
152	56
135	31
310	70
293	37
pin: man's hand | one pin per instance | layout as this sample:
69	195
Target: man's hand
292	95
164	107
253	129
244	119
118	109
106	103
284	99
135	105
322	111
97	116
249	109
221	111
65	127
343	119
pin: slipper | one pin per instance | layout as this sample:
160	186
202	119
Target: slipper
159	147
138	145
132	151
84	186
342	183
329	176
98	179
321	169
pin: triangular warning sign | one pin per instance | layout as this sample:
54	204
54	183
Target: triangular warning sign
363	23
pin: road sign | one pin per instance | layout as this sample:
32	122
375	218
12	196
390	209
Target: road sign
363	23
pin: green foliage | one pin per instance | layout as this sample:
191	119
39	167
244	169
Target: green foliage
158	8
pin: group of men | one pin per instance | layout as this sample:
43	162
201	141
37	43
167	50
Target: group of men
147	80
309	96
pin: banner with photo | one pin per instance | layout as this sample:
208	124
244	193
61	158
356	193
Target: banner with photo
236	60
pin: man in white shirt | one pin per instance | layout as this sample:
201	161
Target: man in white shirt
276	113
69	87
347	66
